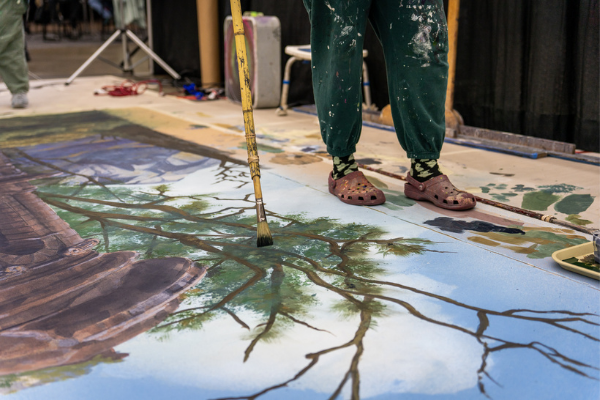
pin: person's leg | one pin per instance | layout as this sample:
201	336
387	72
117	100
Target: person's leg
13	66
414	36
415	43
337	36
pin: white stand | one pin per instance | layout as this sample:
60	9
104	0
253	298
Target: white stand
303	53
126	66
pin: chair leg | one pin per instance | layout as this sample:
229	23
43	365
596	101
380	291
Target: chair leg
366	85
282	110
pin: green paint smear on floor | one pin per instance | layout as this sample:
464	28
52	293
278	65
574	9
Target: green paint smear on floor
559	242
503	197
522	188
577	220
539	201
377	182
562	188
535	243
262	147
396	197
574	204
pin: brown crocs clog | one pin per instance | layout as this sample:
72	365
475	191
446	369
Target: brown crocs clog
355	189
439	191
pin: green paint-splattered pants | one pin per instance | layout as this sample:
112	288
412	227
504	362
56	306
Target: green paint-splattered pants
414	36
13	67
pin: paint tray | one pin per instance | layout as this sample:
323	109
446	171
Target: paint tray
578	259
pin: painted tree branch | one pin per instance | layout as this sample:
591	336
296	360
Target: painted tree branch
343	253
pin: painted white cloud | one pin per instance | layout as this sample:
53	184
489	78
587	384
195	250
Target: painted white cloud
402	354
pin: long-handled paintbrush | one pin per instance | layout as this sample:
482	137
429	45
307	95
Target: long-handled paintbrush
263	233
532	214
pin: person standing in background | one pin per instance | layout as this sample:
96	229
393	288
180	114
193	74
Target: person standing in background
13	66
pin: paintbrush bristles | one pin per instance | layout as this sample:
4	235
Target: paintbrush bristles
263	235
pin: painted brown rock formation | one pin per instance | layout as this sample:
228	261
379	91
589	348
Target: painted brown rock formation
63	303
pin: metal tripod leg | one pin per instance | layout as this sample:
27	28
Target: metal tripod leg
93	57
126	64
152	54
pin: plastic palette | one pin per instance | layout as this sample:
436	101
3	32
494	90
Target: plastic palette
579	251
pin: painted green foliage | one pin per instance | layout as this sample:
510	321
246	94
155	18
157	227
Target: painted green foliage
241	276
11	383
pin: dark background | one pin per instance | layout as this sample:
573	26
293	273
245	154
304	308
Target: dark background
524	66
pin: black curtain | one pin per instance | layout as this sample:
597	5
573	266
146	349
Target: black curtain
530	67
524	66
175	36
175	30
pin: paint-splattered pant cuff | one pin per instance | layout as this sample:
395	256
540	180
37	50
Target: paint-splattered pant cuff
424	156
339	152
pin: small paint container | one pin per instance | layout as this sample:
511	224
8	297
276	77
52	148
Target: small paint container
596	241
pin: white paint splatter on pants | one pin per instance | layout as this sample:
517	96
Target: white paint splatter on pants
421	44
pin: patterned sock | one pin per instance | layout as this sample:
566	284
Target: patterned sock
423	169
343	166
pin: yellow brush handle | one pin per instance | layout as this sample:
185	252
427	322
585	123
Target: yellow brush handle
244	74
